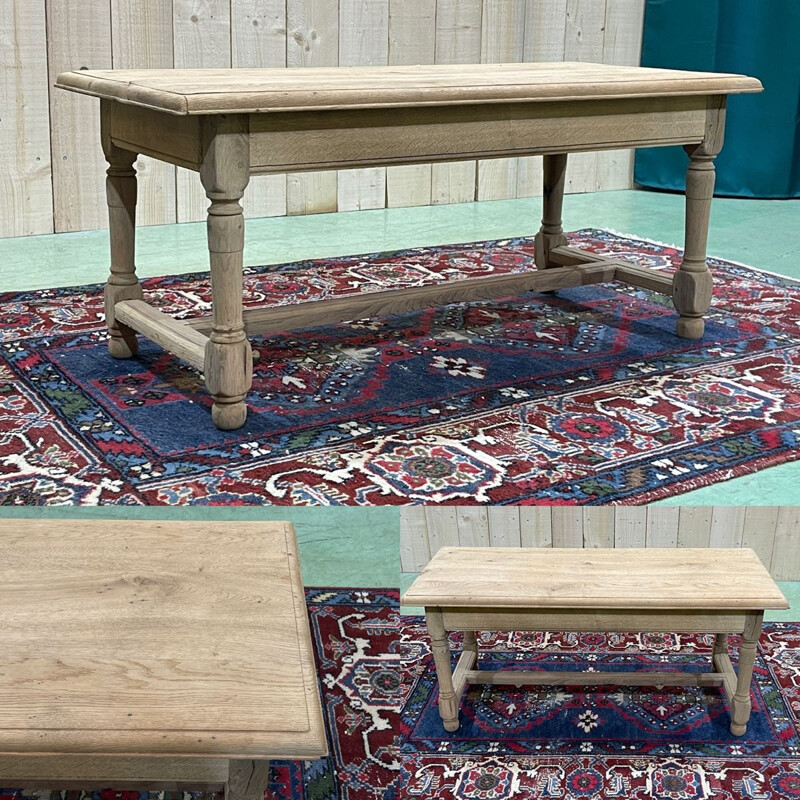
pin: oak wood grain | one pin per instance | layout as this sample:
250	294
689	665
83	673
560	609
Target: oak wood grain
217	91
155	638
650	578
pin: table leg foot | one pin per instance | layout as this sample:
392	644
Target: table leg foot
738	730
690	327
122	343
229	416
451	725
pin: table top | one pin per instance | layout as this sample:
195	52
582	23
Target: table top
155	638
623	578
215	91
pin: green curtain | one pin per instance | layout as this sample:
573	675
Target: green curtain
761	155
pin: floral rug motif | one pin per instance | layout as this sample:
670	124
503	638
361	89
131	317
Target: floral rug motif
355	633
637	743
582	396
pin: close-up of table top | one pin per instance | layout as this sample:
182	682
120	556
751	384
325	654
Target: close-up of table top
155	638
261	90
645	578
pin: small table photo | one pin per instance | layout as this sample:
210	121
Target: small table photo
692	590
153	655
229	124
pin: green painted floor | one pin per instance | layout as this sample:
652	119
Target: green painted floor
763	233
348	547
790	589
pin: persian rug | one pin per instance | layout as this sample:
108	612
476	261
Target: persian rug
668	743
355	633
583	396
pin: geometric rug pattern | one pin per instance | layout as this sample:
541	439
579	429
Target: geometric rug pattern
601	742
643	743
582	396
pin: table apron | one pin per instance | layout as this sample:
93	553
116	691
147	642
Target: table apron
327	140
123	772
595	620
319	140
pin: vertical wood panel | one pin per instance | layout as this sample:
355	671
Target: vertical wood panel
141	38
694	526
583	42
567	522
415	552
598	526
502	38
202	38
774	533
545	31
536	527
363	39
786	552
458	41
630	526
313	41
662	526
412	40
26	187
79	35
504	526
258	39
442	528
473	526
622	44
759	530
726	526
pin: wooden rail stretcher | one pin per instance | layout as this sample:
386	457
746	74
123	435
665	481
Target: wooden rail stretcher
692	590
231	123
171	656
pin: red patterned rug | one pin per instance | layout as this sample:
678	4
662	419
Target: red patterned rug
580	743
573	743
584	396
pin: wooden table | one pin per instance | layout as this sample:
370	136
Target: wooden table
157	655
693	590
229	124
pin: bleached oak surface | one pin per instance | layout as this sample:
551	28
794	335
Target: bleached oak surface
211	91
647	578
155	639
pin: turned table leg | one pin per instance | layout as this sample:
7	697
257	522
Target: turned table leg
247	779
470	643
448	702
720	646
692	283
551	234
740	702
121	197
225	173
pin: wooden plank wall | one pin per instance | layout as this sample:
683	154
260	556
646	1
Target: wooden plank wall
51	165
773	532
